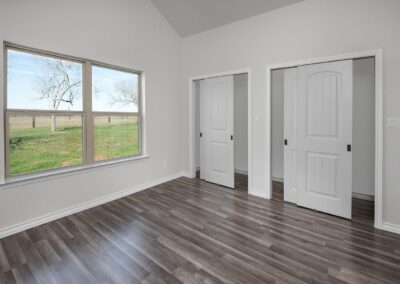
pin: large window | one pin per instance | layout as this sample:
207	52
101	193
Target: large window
63	112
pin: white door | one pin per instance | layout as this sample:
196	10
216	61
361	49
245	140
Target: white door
216	128
324	137
290	133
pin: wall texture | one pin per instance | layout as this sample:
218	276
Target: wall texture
128	33
240	112
309	29
277	123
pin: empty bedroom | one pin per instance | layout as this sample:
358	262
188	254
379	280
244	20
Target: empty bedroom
187	141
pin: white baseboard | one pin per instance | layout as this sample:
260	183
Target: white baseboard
363	196
187	175
13	229
277	179
391	227
241	172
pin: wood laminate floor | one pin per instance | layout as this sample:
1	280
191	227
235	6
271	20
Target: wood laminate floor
191	231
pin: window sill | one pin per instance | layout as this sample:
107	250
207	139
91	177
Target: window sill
61	173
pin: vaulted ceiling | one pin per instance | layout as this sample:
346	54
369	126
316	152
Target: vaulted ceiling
189	17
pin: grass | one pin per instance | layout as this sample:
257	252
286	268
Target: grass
115	141
37	149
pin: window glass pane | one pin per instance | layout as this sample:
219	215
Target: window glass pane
41	142
42	83
115	137
114	91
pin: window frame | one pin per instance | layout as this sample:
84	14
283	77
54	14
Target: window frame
87	114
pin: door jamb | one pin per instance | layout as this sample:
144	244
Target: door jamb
378	55
192	118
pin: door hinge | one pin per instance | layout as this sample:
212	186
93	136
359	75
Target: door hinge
285	142
232	137
201	134
349	148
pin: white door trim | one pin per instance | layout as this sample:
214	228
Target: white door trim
378	55
192	118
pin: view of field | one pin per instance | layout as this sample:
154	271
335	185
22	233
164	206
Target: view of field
34	147
38	142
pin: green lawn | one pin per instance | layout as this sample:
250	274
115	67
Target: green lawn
115	141
36	149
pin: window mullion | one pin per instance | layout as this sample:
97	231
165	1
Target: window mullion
89	121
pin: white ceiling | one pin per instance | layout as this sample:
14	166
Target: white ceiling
189	17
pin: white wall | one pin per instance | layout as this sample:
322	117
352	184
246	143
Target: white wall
128	33
309	29
240	112
277	123
240	90
364	126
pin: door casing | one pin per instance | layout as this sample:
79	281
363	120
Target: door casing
378	55
192	120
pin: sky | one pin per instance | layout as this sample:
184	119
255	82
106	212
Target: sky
24	89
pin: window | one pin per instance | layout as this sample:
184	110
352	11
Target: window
115	111
63	112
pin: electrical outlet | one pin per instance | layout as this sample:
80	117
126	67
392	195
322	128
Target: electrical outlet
394	122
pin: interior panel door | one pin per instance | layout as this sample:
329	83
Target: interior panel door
324	125
216	100
290	135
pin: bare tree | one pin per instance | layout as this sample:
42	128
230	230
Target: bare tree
125	93
60	85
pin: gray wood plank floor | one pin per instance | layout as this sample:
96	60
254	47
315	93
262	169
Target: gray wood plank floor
191	231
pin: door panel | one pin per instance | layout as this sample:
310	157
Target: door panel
324	124
321	174
290	133
217	128
203	115
322	112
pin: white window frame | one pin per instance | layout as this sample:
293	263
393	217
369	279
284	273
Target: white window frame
87	115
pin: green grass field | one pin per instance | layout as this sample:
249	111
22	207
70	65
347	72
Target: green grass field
37	149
